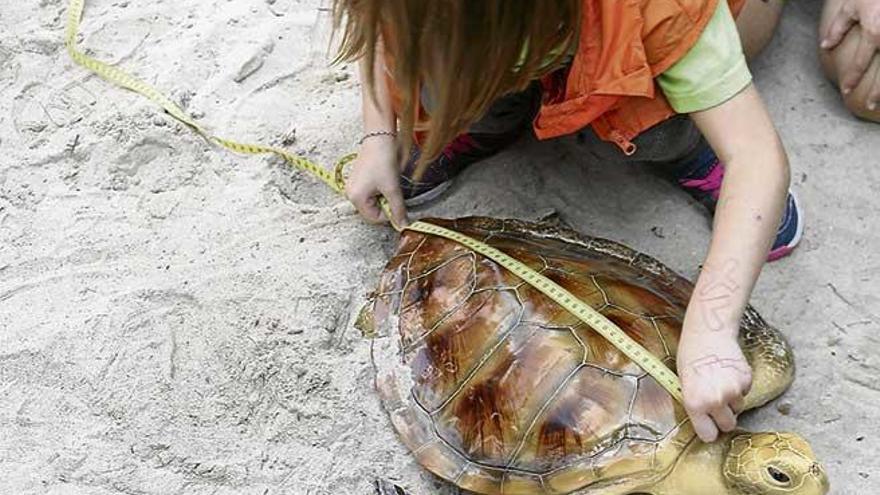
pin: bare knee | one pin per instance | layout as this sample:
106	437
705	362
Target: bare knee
757	23
829	64
868	90
858	100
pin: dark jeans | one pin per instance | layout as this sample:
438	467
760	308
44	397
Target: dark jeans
671	141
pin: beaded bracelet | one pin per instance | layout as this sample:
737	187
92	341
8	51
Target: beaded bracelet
375	134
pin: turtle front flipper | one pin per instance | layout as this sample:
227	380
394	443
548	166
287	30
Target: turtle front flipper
770	356
384	487
365	321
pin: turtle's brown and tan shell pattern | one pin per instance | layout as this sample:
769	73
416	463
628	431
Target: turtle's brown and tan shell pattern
497	389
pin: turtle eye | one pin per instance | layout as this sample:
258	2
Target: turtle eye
778	476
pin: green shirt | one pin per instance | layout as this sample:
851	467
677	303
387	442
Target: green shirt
712	72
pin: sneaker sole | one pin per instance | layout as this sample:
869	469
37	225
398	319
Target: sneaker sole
783	251
428	196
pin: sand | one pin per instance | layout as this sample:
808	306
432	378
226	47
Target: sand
177	319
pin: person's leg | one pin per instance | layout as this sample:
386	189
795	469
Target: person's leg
837	61
666	143
505	121
757	22
677	145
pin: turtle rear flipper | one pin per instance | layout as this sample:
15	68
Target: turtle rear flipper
384	487
365	322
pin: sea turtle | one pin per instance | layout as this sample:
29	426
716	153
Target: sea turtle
497	389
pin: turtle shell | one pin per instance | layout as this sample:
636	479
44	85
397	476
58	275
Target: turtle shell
496	388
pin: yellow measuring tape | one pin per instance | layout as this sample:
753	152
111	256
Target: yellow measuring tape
120	78
605	327
570	302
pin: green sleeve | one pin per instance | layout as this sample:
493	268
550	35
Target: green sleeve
712	72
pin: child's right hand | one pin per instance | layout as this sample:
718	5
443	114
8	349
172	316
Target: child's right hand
376	173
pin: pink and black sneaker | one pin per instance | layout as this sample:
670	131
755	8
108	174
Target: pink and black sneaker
437	177
465	150
702	179
502	125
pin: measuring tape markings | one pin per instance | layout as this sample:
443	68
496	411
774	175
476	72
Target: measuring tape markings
121	78
605	327
583	311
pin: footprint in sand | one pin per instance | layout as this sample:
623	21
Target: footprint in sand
9	67
70	104
28	112
39	110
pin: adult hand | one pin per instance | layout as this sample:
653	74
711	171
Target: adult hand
866	13
376	174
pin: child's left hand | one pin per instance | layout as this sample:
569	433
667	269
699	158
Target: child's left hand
715	375
715	378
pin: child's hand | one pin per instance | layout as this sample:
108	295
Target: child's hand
715	378
376	173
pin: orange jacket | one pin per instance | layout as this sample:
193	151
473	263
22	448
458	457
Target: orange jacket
623	46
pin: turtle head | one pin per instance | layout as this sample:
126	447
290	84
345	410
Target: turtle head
773	464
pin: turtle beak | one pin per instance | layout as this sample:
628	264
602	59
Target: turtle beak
819	473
